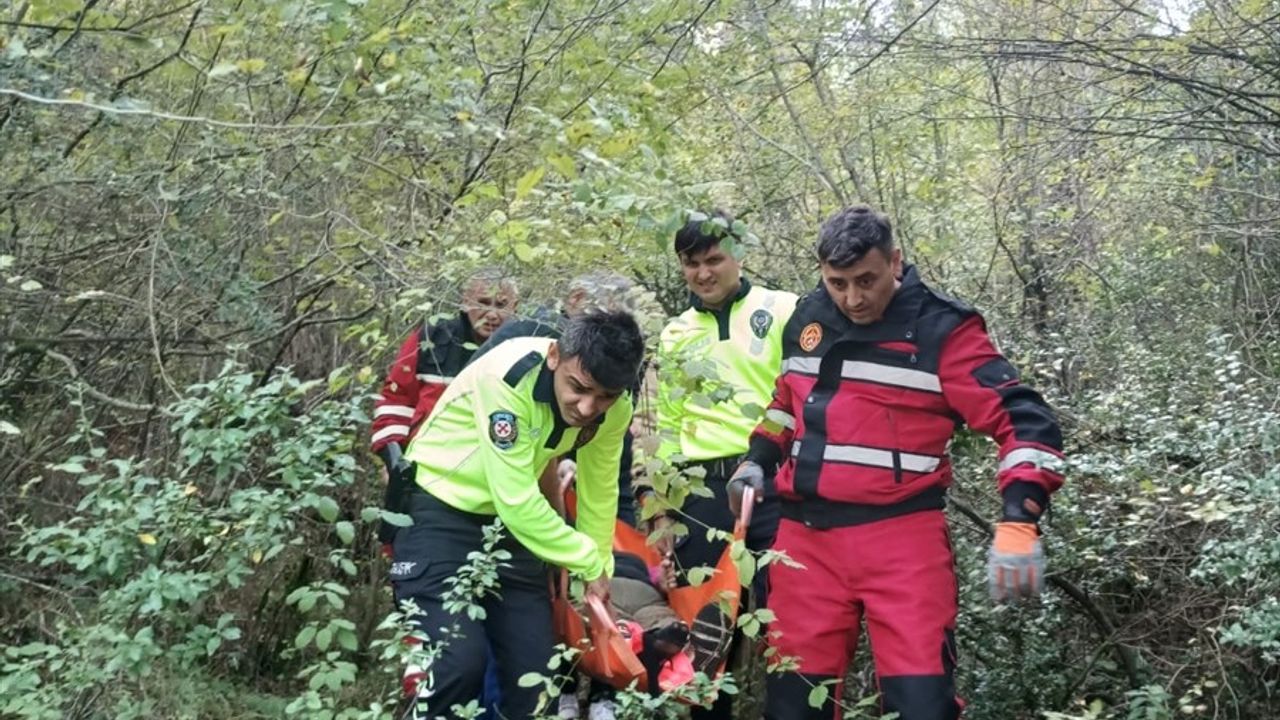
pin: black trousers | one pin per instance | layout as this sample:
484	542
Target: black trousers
516	622
694	549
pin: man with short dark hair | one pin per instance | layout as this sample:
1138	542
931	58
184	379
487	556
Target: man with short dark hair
593	291
736	327
878	368
478	459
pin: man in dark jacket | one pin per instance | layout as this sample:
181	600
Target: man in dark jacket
424	366
877	370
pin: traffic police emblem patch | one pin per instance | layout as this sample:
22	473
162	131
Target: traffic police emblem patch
761	321
810	337
502	430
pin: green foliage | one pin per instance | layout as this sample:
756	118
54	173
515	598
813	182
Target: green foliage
272	184
146	557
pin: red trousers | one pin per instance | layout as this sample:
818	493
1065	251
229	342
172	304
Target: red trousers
899	575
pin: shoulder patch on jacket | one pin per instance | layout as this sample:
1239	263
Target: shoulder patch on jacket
503	430
522	367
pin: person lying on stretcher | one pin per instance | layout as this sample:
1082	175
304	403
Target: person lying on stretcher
657	635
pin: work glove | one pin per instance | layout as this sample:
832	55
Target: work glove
748	474
1015	564
399	476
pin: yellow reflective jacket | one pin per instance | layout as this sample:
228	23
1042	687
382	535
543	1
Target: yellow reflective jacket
740	348
492	434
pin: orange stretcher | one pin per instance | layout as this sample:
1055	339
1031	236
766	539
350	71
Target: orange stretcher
710	610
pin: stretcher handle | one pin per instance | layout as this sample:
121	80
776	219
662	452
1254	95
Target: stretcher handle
602	623
748	506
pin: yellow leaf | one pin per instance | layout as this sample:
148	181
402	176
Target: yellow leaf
579	132
147	538
564	165
252	65
617	145
256	556
529	181
190	490
524	253
462	116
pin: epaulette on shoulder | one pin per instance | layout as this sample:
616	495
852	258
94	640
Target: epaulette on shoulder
522	367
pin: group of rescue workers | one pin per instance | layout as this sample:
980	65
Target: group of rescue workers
864	380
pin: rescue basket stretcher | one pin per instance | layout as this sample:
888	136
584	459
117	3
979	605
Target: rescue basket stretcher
710	610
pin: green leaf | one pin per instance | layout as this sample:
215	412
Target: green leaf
347	639
346	532
6	261
523	252
328	508
9	428
529	181
530	679
223	69
305	637
323	638
396	519
30	286
700	575
818	696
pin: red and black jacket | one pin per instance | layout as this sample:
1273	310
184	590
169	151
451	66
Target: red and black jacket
862	415
424	366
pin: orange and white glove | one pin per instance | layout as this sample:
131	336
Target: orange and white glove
1015	564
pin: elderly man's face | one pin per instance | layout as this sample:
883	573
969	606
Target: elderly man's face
488	305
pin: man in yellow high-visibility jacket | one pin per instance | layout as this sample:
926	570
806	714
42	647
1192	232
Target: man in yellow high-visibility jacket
736	327
478	458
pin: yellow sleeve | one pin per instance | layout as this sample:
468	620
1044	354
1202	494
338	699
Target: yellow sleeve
598	469
669	405
507	456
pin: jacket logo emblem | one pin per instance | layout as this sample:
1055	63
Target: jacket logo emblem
810	337
761	321
502	430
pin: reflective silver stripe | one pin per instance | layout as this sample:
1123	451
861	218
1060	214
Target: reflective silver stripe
398	410
785	419
889	375
390	430
1033	456
879	457
802	364
795	448
441	379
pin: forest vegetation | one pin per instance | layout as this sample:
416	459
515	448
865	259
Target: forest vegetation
219	218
